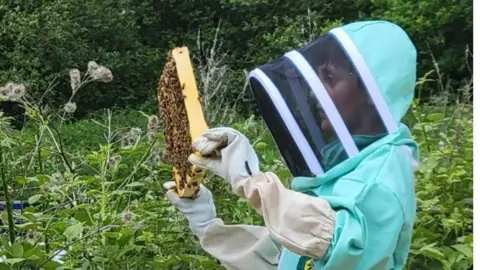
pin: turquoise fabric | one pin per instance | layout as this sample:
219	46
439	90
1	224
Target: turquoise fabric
368	236
334	153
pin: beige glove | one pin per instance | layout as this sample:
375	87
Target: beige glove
237	159
199	212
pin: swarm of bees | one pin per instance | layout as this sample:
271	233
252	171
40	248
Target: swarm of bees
172	99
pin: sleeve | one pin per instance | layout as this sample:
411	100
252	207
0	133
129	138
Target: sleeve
301	223
241	247
366	232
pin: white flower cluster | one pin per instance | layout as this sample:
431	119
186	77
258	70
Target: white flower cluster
99	72
130	138
152	127
70	107
12	92
95	72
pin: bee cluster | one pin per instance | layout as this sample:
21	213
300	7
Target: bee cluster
175	122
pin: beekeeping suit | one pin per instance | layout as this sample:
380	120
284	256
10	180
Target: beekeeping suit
334	108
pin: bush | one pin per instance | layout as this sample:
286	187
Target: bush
106	206
94	185
41	40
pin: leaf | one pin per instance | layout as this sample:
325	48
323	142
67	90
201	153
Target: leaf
4	266
464	249
85	265
135	184
433	253
124	192
17	250
468	201
14	260
51	265
260	146
435	117
5	244
42	179
73	231
83	217
25	226
34	198
21	180
115	235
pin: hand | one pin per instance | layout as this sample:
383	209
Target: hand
237	160
200	212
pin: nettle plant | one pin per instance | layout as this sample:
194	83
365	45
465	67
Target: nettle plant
99	210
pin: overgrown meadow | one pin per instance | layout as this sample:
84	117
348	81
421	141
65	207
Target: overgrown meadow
95	185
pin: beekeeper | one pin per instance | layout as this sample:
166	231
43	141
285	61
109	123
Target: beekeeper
334	108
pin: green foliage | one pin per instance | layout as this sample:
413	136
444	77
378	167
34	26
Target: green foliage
95	182
110	212
40	39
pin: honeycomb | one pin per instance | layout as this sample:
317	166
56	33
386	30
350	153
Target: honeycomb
177	129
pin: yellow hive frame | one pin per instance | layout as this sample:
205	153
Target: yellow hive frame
196	119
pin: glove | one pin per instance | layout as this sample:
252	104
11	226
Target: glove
237	159
200	212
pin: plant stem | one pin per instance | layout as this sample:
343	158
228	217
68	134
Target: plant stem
138	165
59	146
76	241
40	171
11	228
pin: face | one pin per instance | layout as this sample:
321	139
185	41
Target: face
346	93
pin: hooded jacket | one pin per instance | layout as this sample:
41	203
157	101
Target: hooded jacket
360	213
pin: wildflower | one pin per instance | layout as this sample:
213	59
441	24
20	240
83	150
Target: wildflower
10	86
82	197
92	67
124	142
135	132
70	107
153	123
32	236
57	178
4	92
131	137
164	156
75	79
102	74
12	91
151	136
17	92
127	215
114	160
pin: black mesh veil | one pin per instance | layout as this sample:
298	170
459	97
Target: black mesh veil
316	106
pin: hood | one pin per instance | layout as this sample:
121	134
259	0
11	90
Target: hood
331	100
389	56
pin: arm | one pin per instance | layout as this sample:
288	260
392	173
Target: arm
241	247
357	227
303	224
238	247
367	231
374	227
361	234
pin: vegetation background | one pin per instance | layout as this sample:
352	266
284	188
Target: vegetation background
90	155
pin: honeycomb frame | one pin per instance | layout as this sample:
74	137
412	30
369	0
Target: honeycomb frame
183	119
